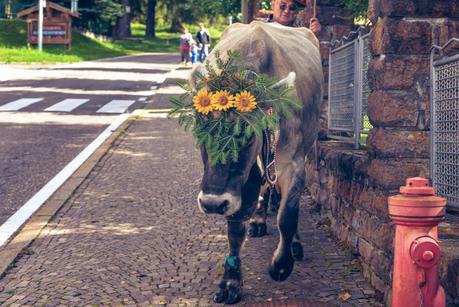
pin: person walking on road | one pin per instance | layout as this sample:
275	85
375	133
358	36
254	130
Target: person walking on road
203	39
185	44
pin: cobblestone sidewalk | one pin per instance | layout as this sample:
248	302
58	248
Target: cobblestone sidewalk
132	235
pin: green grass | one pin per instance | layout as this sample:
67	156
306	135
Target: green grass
13	45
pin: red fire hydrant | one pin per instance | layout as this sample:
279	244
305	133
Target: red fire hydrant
416	214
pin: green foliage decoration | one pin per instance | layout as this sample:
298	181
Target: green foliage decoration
224	133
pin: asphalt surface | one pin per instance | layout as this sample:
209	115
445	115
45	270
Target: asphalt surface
132	235
36	144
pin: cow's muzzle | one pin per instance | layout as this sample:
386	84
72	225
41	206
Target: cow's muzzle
224	204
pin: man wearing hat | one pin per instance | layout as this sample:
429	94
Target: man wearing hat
285	12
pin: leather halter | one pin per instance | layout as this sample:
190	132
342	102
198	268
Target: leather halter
269	156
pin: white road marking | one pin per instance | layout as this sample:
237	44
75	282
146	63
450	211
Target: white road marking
74	91
142	99
25	212
116	106
50	118
19	104
67	105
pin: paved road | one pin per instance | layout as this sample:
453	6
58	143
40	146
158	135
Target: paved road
132	235
48	114
110	86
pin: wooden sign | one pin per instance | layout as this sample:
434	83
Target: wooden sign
57	24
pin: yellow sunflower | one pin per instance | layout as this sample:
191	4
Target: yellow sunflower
202	102
245	102
222	100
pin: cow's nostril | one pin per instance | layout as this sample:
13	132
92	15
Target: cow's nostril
225	205
221	209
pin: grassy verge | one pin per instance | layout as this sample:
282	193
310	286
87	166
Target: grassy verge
13	45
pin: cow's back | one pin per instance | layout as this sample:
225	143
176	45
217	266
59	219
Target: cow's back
277	50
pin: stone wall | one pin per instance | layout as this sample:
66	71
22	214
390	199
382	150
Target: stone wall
338	179
352	186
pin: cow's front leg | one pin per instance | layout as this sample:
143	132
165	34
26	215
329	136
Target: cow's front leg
287	221
229	288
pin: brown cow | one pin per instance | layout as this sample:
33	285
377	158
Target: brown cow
233	189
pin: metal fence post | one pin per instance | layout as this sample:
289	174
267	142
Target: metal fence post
329	86
358	92
41	4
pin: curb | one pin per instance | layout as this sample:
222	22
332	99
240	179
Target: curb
32	229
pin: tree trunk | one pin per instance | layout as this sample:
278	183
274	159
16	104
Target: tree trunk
253	8
248	9
245	11
176	25
123	25
151	15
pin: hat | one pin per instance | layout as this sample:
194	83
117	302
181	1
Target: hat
301	3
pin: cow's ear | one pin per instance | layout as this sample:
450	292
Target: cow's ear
259	54
288	81
199	68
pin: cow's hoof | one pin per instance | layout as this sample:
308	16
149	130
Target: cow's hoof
220	296
257	230
297	251
234	295
280	269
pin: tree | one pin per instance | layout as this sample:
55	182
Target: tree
192	11
151	16
357	7
123	24
99	16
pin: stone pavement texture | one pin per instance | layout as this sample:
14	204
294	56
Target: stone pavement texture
132	235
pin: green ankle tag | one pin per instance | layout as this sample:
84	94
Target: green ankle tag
232	261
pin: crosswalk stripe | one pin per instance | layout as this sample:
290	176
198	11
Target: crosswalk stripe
116	106
19	104
66	105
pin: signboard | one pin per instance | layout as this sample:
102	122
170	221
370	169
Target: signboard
53	32
57	24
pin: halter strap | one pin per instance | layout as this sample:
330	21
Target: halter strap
269	156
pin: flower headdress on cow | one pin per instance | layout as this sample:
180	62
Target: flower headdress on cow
229	105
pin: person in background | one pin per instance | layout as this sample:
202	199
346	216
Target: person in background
203	39
185	44
285	13
194	52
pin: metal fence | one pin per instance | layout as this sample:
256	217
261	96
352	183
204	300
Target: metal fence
348	89
444	159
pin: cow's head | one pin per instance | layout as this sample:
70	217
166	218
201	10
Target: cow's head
225	187
222	185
